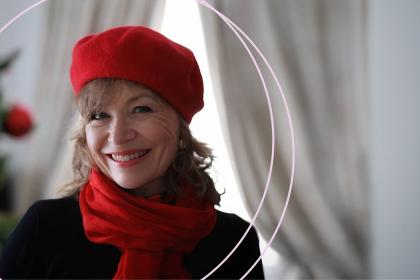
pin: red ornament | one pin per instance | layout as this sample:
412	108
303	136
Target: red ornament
17	121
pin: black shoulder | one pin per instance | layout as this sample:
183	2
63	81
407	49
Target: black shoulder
58	205
45	225
65	205
213	249
231	221
55	216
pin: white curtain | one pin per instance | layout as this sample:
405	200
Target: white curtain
47	158
318	50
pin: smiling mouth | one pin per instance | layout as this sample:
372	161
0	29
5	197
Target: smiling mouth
128	157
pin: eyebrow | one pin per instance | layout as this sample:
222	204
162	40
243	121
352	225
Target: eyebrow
144	95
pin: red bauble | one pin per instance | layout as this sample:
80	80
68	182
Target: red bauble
17	121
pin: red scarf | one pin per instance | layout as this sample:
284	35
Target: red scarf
152	236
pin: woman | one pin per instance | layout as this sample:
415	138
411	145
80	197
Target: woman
141	204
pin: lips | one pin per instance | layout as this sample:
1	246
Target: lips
127	156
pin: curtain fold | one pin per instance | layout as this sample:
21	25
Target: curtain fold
318	50
48	155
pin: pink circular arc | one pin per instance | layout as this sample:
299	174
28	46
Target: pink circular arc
235	30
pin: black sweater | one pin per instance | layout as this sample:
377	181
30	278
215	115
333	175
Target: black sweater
49	242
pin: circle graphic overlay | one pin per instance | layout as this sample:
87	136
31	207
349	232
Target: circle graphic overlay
235	30
21	14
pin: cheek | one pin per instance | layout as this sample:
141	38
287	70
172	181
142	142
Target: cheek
90	139
93	139
162	133
163	136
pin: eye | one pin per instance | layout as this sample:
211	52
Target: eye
142	109
98	116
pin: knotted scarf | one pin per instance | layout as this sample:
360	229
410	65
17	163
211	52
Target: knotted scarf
152	236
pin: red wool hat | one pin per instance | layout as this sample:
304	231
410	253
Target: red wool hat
142	55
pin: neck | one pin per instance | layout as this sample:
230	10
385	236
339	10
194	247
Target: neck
155	187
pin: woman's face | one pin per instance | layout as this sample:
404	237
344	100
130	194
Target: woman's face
134	139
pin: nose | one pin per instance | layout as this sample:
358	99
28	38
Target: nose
120	131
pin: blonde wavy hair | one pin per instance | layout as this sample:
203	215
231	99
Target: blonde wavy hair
191	164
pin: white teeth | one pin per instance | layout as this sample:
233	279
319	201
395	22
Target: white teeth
128	157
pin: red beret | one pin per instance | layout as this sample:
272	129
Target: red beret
141	55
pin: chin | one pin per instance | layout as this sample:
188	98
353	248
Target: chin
129	185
